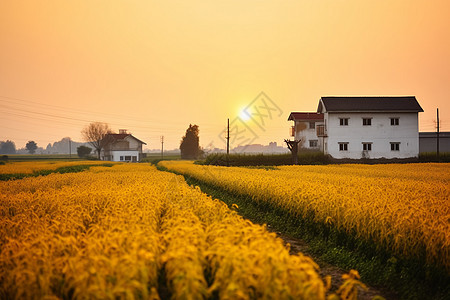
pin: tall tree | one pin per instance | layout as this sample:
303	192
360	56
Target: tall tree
31	146
96	134
7	147
189	146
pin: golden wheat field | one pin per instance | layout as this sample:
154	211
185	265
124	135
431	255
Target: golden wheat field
34	166
404	208
133	232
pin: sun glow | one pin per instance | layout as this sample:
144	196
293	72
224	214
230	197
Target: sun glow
245	114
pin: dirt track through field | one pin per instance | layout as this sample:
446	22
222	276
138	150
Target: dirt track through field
298	245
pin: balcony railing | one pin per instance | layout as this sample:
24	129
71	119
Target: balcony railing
321	130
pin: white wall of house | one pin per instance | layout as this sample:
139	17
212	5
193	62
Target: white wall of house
380	134
125	155
306	133
127	149
133	143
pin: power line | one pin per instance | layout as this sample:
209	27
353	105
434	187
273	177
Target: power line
60	119
67	110
71	111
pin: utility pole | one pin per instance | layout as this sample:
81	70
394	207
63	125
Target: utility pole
162	147
228	142
437	133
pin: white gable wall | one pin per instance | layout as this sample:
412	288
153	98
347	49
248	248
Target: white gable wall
304	133
380	133
133	143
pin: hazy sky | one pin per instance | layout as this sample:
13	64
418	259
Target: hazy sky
154	67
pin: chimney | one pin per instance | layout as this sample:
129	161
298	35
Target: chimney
123	131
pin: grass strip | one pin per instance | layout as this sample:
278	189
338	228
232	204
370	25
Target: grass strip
409	278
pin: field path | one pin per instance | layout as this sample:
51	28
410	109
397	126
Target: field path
298	245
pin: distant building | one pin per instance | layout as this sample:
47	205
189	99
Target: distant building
304	129
363	127
122	147
428	142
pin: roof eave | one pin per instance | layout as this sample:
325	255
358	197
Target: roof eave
293	118
132	136
321	108
375	111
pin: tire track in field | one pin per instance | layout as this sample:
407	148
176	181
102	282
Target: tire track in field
298	245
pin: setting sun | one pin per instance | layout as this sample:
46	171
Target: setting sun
245	114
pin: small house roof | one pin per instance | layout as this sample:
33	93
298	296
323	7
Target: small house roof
369	104
122	136
306	116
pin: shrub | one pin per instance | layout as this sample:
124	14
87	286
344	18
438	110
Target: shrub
220	159
83	151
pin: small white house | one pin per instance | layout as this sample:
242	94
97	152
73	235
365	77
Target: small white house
304	129
369	127
122	147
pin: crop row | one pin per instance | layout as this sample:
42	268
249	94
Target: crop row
402	208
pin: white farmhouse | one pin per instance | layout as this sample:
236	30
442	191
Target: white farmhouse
369	127
304	129
122	147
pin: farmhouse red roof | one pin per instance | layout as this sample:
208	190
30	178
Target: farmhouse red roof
305	116
119	136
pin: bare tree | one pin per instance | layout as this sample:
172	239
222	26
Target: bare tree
97	135
293	147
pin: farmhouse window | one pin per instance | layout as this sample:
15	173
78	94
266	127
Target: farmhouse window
121	158
313	143
395	121
395	146
367	121
367	146
343	121
128	158
343	146
312	125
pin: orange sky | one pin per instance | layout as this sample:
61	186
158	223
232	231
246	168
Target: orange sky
153	67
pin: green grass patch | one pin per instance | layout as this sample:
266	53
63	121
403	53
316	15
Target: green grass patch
40	157
155	158
433	157
411	279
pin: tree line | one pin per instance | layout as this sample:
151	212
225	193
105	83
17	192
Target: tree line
9	147
60	147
